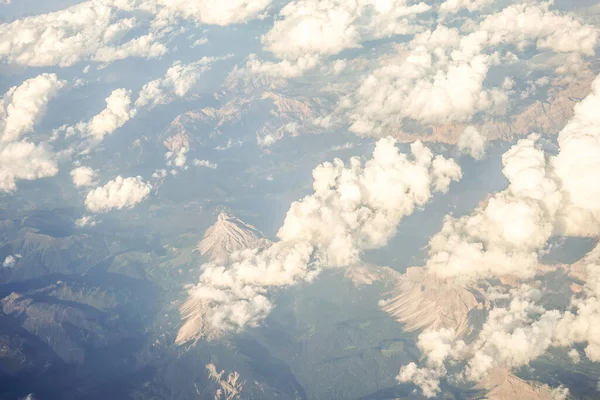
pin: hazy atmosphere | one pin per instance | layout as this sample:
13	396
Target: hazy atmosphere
299	199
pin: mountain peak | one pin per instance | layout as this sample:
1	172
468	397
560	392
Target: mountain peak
227	235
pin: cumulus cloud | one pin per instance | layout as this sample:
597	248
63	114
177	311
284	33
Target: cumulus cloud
24	105
547	196
205	164
439	77
177	82
117	112
86	220
310	29
328	27
453	6
146	46
24	161
9	261
354	208
576	167
81	32
224	12
177	158
501	237
438	80
95	29
118	194
528	23
472	142
512	336
84	176
426	379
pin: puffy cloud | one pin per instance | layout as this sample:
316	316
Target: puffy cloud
282	69
453	6
117	112
177	158
426	379
354	208
24	160
503	236
582	323
94	29
309	29
528	23
84	176
546	196
223	12
178	81
24	105
118	194
146	46
512	336
472	142
439	80
9	261
576	167
86	220
205	164
81	32
328	27
439	77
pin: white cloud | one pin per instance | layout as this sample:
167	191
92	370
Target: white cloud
472	142
512	336
117	112
146	46
205	164
312	27
81	32
453	6
24	161
177	158
309	30
576	167
86	220
501	239
502	236
426	379
438	81
528	23
200	42
95	29
24	105
178	82
84	176
118	194
9	261
546	196
354	208
223	12
439	77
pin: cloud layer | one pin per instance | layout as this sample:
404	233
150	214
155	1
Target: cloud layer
354	208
